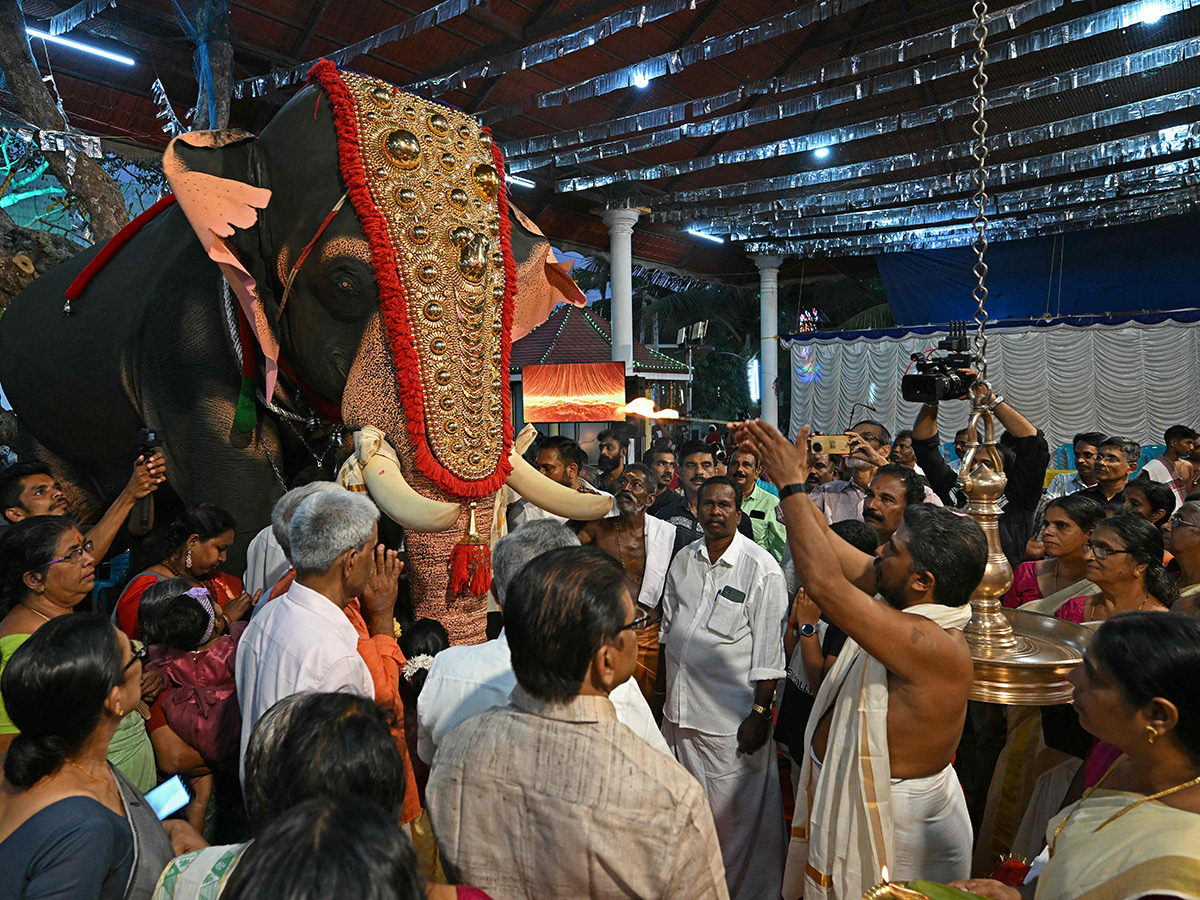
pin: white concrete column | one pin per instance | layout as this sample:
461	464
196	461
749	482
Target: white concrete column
620	224
768	331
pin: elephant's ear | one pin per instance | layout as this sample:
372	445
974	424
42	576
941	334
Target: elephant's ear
209	172
543	281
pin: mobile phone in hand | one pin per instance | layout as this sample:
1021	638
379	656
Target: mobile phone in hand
169	797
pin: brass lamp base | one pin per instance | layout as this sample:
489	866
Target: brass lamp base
1034	671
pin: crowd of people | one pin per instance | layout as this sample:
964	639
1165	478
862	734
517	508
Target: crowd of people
749	680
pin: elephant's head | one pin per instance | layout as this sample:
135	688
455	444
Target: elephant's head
369	238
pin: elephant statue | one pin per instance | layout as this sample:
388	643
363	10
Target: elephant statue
358	269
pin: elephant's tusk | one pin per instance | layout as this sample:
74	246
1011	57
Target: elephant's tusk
554	497
374	466
524	439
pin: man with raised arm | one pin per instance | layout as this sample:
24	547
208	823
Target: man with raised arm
878	786
644	546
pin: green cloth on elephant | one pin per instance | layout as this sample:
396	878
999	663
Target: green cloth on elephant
8	644
129	750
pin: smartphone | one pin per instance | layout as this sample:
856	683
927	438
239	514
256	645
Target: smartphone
838	444
169	797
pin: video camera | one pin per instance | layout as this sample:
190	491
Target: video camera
937	378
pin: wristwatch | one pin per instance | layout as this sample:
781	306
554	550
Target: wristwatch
796	487
763	711
808	629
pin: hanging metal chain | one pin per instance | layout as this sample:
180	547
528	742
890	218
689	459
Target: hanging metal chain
979	176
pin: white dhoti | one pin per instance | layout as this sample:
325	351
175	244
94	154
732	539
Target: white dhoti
747	807
851	817
932	828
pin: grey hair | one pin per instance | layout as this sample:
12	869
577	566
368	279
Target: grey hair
285	508
326	525
1192	506
528	541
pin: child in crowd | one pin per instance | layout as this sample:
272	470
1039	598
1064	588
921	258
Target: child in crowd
190	649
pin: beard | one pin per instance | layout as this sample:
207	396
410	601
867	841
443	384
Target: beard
607	463
627	505
891	596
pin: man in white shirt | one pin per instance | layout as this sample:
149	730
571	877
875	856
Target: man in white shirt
303	640
267	555
465	681
724	608
1087	448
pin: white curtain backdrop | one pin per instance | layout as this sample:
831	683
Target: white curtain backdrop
1131	379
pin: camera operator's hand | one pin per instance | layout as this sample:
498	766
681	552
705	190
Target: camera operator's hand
860	448
147	476
784	462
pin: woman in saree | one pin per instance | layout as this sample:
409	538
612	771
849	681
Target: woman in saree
1136	833
1062	574
1124	560
1182	538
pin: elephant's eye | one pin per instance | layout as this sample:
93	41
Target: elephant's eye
346	292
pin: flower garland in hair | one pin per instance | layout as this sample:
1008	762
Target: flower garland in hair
420	661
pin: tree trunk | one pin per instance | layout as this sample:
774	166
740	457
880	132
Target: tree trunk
99	194
211	32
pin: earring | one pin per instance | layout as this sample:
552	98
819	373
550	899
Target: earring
120	711
187	562
1151	734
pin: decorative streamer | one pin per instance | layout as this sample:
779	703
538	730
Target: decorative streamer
80	12
1118	212
884	57
171	124
553	48
1056	36
435	15
701	51
1134	63
1107	153
1079	191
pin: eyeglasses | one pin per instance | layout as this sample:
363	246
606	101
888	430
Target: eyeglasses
138	655
637	624
1178	520
1100	551
872	438
77	553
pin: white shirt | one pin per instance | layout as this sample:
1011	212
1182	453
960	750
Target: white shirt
265	562
660	544
1062	484
718	646
1157	470
521	510
465	681
300	642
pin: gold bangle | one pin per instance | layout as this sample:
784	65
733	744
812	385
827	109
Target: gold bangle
761	710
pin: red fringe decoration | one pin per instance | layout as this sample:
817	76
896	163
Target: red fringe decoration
113	244
392	299
470	568
1011	872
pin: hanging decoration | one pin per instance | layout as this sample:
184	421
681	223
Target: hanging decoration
553	48
171	124
701	51
279	78
77	14
1084	27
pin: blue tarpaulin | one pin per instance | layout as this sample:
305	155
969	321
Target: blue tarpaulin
1128	268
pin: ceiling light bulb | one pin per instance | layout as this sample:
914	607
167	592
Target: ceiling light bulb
706	236
641	80
1152	12
821	152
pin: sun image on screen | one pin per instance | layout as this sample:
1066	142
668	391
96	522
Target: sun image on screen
574	392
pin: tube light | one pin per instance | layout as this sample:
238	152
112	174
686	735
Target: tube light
521	182
75	45
706	236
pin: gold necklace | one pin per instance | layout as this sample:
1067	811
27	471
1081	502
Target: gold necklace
106	783
1156	796
36	612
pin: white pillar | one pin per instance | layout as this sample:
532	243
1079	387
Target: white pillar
768	331
620	224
